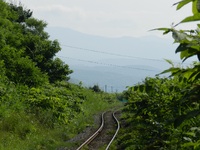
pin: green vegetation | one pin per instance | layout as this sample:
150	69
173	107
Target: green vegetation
47	116
39	109
164	113
26	52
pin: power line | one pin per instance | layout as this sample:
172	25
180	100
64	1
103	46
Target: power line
113	54
106	64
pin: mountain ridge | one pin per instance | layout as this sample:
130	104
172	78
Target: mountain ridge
117	62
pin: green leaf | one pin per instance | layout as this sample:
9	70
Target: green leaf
188	144
194	7
191	134
182	118
182	3
180	36
162	29
170	62
166	30
195	73
187	139
187	74
181	47
187	53
176	37
195	129
171	70
195	17
194	76
198	6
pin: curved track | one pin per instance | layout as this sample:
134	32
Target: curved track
108	122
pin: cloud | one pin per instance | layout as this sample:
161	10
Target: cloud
60	10
92	21
106	17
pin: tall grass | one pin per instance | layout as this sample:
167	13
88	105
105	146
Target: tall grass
27	127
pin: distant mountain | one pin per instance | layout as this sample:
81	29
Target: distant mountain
144	47
112	63
114	78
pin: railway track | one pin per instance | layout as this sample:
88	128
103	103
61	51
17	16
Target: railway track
104	135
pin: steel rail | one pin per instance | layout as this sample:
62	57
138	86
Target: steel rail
91	138
118	127
94	135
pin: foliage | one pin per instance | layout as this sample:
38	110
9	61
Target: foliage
95	88
46	117
163	113
189	42
159	114
39	109
26	50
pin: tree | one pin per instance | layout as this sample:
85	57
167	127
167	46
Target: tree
34	44
58	70
96	89
22	14
25	48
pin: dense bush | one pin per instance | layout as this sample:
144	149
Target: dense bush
48	115
161	114
39	109
164	113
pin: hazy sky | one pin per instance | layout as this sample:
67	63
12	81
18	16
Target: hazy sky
112	18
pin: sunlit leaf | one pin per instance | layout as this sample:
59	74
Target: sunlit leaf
187	139
187	74
195	128
191	134
194	76
187	53
166	30
188	144
194	7
195	17
182	3
170	70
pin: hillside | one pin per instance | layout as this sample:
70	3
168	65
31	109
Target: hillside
42	109
115	62
39	108
115	78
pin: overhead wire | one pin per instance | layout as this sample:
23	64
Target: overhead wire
106	64
108	53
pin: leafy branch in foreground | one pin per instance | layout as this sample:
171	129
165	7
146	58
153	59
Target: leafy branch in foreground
164	113
189	42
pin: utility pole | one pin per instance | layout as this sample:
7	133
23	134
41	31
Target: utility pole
105	88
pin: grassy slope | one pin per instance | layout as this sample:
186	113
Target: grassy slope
29	124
